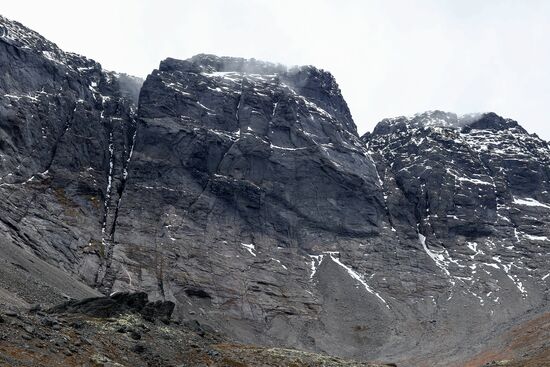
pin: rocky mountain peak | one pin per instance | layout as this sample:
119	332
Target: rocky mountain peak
22	41
18	35
207	63
319	87
489	121
27	40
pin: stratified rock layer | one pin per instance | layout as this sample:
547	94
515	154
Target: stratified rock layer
67	129
244	174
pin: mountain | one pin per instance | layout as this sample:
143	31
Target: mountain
67	130
241	191
474	191
244	173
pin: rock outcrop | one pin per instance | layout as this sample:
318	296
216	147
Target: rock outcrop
119	304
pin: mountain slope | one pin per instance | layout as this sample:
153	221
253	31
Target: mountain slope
474	189
66	130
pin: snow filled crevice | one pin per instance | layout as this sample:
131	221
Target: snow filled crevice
108	190
530	202
250	248
123	182
437	257
317	260
352	273
106	239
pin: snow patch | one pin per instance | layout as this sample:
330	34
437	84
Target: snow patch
280	263
530	202
316	261
357	277
536	238
250	248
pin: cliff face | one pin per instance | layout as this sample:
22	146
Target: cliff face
240	190
277	149
244	175
67	129
474	189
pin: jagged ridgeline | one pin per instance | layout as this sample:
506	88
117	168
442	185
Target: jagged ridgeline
241	191
68	129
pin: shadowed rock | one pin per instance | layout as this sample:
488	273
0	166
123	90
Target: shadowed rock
118	304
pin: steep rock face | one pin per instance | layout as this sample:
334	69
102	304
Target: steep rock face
245	174
475	189
263	143
240	191
66	132
468	179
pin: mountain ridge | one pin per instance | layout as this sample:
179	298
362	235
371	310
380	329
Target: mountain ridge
249	200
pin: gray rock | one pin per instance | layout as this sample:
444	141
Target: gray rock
48	321
238	191
118	304
11	313
135	335
138	348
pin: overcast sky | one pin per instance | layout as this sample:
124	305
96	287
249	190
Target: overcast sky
390	57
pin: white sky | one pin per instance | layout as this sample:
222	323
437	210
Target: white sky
389	57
